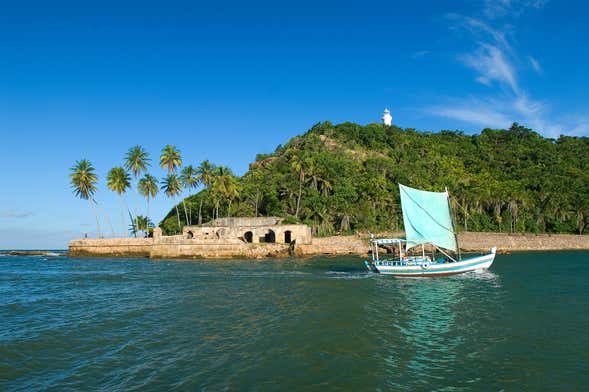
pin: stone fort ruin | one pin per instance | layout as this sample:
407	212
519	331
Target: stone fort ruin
249	230
221	238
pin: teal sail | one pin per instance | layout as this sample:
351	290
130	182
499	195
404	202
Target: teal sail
427	219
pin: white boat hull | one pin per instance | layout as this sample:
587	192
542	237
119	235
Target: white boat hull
432	269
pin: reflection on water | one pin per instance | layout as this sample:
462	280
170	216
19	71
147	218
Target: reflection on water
429	323
294	324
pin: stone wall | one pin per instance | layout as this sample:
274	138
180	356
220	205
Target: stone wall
174	247
254	234
469	242
338	245
179	247
479	242
187	249
111	247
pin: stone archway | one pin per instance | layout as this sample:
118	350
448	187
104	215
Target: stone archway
248	236
287	237
190	235
269	237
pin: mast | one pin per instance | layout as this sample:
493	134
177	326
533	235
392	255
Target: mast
453	225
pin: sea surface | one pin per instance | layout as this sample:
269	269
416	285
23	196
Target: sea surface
320	324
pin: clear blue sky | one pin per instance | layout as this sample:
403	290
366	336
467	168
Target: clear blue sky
224	82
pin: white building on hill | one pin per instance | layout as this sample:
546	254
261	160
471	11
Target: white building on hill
387	119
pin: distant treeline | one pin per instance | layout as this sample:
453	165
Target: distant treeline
342	178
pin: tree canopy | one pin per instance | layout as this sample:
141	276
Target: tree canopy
343	178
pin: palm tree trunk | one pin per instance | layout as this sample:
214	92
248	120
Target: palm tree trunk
185	213
135	202
178	215
122	216
200	212
147	218
96	216
112	229
300	193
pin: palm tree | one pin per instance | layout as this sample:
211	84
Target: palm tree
189	181
83	181
172	188
205	174
231	191
225	185
297	164
143	222
148	188
118	180
170	158
136	161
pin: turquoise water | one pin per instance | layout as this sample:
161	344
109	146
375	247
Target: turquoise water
313	324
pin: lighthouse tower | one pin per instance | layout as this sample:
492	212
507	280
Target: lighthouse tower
387	119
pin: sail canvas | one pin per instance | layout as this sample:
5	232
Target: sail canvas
427	219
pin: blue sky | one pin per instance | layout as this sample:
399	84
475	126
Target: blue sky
225	82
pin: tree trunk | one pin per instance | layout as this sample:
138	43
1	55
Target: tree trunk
200	212
122	216
147	218
112	229
300	193
185	212
136	203
96	216
178	216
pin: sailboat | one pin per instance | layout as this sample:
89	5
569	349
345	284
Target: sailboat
430	246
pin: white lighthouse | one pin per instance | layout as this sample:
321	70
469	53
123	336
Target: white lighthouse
387	119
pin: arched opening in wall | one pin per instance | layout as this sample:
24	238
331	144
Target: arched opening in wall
190	235
270	236
248	236
287	237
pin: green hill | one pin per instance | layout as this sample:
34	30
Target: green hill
342	178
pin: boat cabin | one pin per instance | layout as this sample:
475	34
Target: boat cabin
395	252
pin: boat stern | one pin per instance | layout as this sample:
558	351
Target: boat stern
370	266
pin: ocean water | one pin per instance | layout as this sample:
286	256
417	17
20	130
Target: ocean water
297	324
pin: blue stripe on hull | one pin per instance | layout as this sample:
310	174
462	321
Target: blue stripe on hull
432	270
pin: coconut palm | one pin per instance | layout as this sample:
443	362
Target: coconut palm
224	185
143	222
189	182
231	191
297	164
172	187
83	181
136	161
118	180
170	158
148	188
205	174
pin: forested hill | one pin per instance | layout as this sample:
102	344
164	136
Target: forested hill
342	178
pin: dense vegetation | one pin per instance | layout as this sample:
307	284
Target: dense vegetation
343	178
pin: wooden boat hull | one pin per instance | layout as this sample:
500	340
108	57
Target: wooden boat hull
432	269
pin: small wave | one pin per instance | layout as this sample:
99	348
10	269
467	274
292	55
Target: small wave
349	275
